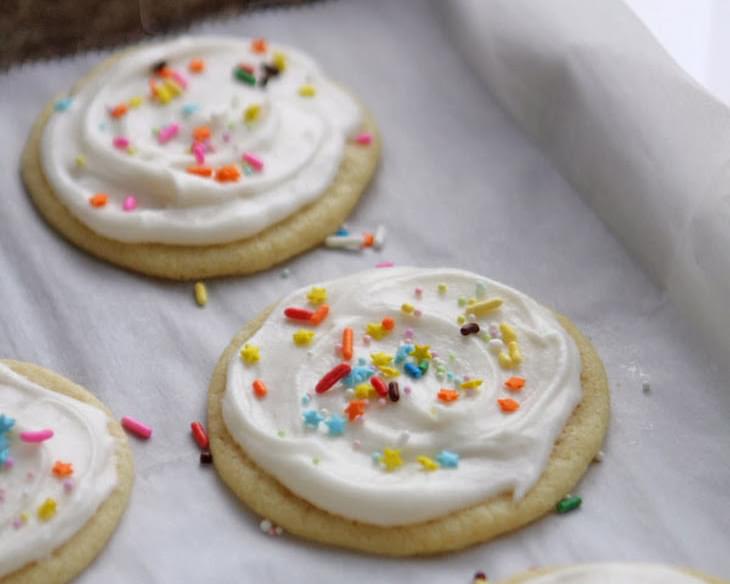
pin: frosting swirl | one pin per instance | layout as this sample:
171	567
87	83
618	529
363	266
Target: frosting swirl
182	144
48	489
468	423
615	573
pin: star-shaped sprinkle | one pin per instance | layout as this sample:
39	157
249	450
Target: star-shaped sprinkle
427	463
303	337
447	459
421	352
317	295
250	354
336	425
381	358
312	418
364	391
376	330
391	459
62	469
403	352
46	510
355	409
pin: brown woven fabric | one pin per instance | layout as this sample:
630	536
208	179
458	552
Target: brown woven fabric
31	29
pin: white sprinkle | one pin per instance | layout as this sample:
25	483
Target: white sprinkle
495	345
285	273
349	242
379	237
265	525
598	457
278	531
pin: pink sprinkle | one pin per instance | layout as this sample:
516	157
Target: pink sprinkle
385	265
338	349
168	133
418	292
179	79
382	401
356	444
409	332
17	523
365	138
254	161
130	203
68	485
199	152
366	340
36	436
407	390
136	427
226	137
417	312
121	142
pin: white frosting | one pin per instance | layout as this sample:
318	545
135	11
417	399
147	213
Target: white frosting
300	140
80	438
498	452
617	574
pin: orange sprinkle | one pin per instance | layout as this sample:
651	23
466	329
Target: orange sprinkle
347	343
99	200
201	133
448	395
259	388
200	170
368	239
165	72
228	173
154	90
196	66
508	405
320	314
259	46
515	383
62	469
119	111
388	323
356	408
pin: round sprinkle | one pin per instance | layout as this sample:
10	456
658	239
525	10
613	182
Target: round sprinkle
130	203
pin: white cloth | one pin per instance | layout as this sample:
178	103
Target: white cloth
459	185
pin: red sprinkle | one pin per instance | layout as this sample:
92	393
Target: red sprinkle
380	387
296	313
200	435
332	377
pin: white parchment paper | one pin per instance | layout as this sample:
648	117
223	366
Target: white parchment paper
459	185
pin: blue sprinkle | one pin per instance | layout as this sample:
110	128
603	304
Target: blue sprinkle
362	361
6	423
403	352
306	398
63	104
342	231
358	375
247	170
336	425
312	418
376	457
189	109
447	459
412	370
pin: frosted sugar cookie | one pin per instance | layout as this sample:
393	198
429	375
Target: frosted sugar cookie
616	573
65	476
406	411
201	156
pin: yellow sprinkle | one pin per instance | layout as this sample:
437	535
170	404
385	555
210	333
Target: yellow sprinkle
471	301
252	113
484	307
201	293
389	372
317	295
392	459
131	150
172	85
505	361
80	160
509	334
427	463
135	102
23	518
421	353
250	354
376	330
471	384
407	308
163	94
47	509
381	359
307	90
364	391
303	337
279	60
442	288
514	353
461	319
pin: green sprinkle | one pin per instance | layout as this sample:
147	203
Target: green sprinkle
423	366
315	460
245	76
462	301
281	433
568	503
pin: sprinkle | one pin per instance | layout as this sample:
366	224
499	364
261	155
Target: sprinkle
320	314
407	390
379	385
392	459
385	265
471	384
307	90
362	391
68	486
312	418
168	132
347	341
206	457
253	161
158	66
376	330
389	372
46	510
336	425
355	409
259	388
495	345
36	436
252	113
228	173
250	354
568	503
280	60
129	203
200	435
388	323
201	294
447	459
317	295
120	143
514	353
265	525
196	65
469	329
285	273
303	337
332	377
62	469
348	242
136	427
428	464
205	171
296	313
412	370
646	387
201	133
364	139
406	308
393	392
421	352
135	102
119	111
19	521
240	73
63	104
599	456
259	46
480	578
306	398
484	307
189	109
515	383
173	86
448	395
508	405
80	161
505	361
368	239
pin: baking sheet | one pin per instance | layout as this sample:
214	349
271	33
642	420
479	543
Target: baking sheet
459	185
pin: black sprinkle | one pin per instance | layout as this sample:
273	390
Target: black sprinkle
206	457
263	80
159	66
480	576
393	391
470	329
270	70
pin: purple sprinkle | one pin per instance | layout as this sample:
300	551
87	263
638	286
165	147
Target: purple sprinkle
407	390
68	485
